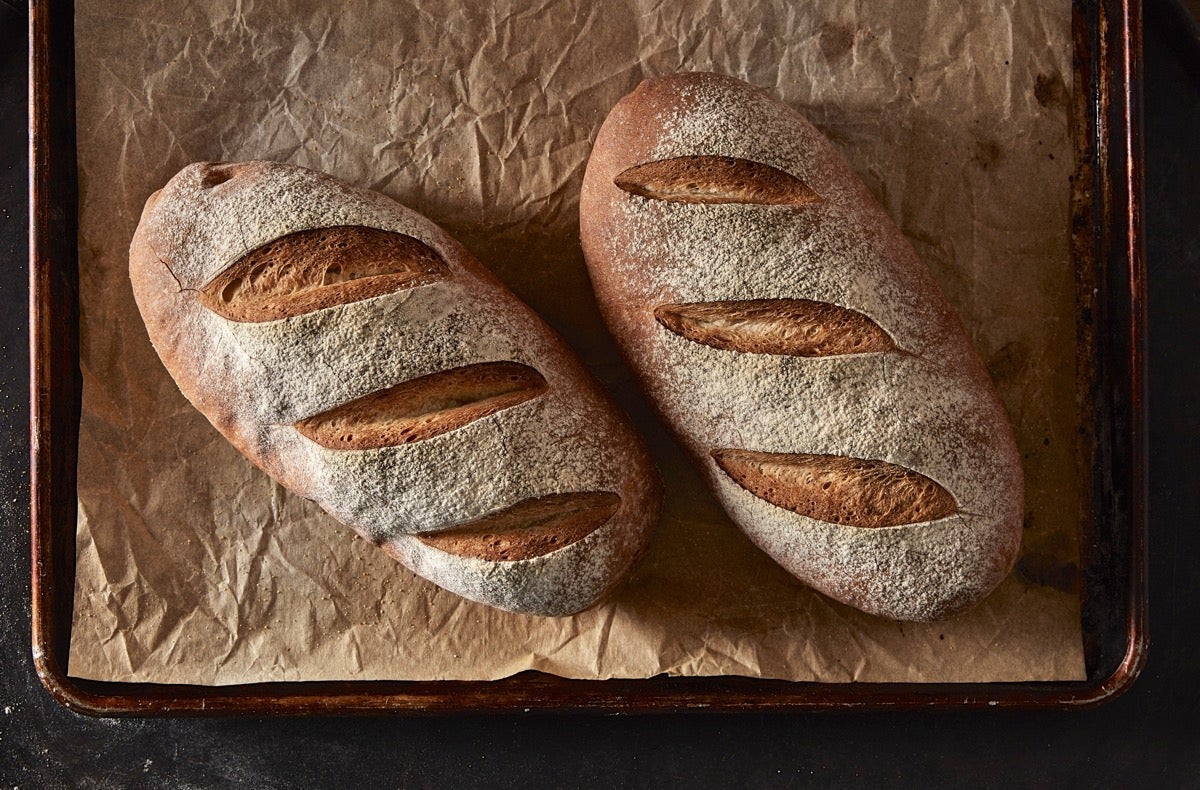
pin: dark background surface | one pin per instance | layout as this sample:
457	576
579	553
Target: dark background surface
1150	737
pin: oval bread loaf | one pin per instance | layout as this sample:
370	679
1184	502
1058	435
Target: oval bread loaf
362	358
788	332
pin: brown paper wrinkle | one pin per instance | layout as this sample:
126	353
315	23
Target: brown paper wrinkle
193	567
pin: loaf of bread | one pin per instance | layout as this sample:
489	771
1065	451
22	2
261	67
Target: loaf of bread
790	335
362	358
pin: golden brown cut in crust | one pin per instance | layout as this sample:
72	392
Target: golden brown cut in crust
798	327
790	335
364	359
322	267
530	528
424	407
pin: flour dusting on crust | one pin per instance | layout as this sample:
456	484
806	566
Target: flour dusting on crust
255	380
928	406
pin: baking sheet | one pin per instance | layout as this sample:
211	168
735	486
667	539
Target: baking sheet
193	567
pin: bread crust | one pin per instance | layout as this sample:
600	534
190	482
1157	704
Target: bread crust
926	404
256	379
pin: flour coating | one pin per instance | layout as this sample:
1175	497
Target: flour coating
255	380
929	406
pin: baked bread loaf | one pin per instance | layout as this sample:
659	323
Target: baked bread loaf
788	332
362	358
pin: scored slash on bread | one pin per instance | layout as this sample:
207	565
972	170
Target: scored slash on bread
714	179
530	528
797	327
362	358
789	334
318	268
837	489
424	407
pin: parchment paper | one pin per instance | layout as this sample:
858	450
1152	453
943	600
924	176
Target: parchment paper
193	567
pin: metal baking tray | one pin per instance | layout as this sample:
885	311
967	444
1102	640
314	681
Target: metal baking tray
1107	248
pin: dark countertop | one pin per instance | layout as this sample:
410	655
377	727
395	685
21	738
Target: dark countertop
1150	737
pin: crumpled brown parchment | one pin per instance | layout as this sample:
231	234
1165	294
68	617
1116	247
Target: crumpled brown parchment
193	567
